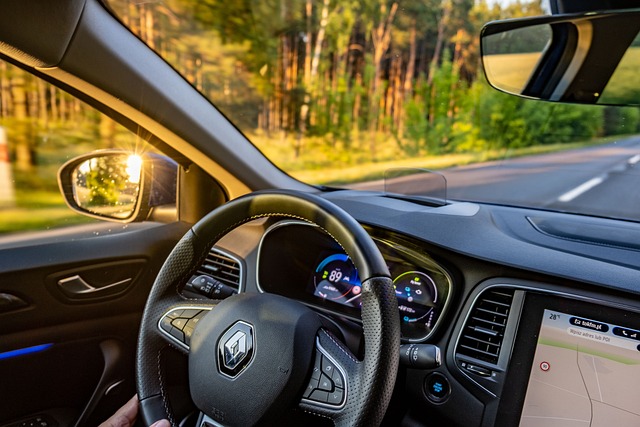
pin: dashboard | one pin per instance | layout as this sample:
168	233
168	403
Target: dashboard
534	329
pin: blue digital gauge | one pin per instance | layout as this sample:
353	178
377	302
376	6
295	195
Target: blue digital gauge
336	279
417	295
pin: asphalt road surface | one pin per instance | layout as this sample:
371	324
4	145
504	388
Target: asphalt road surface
602	180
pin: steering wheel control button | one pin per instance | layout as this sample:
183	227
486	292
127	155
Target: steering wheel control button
177	333
313	384
317	368
337	379
179	324
325	383
327	367
320	396
188	332
165	324
235	349
335	397
437	387
190	313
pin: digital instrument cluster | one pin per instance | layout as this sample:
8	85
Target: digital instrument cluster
319	273
335	279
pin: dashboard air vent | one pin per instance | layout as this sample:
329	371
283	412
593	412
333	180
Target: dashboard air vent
482	335
222	268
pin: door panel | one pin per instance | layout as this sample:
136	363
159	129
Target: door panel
89	341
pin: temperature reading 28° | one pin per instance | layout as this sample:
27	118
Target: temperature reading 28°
336	279
417	295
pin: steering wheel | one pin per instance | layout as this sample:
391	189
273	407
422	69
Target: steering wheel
252	356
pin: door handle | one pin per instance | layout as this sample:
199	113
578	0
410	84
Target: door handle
10	302
76	287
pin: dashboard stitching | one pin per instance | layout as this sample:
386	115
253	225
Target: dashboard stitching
340	346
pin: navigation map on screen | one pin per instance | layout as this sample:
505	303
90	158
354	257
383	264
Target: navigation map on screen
584	373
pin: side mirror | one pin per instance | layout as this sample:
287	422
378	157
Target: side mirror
589	58
117	185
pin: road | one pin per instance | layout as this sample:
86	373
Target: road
602	180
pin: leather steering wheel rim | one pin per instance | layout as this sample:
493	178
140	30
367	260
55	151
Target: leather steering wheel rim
371	379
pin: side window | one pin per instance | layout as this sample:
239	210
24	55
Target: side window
42	127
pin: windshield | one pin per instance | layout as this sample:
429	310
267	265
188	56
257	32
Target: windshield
336	92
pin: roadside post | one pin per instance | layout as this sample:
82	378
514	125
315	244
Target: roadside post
7	195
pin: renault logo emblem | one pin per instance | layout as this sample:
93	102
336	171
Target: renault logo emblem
235	349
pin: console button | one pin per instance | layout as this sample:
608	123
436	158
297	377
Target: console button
437	387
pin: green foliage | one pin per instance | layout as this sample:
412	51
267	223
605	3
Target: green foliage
621	121
105	180
281	70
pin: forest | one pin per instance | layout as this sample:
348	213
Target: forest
318	85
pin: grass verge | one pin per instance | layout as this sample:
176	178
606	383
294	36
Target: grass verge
375	170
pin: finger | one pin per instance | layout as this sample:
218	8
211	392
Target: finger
161	423
125	416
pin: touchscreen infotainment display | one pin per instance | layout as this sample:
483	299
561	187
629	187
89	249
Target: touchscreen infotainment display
585	372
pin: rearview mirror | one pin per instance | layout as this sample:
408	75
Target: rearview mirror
117	185
588	58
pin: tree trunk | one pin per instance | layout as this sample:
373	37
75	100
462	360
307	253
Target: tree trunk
23	131
42	104
5	90
312	71
408	77
446	11
381	39
53	102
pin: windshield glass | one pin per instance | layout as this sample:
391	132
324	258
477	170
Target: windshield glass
336	92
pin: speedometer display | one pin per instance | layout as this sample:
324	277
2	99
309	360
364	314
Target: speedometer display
336	279
421	293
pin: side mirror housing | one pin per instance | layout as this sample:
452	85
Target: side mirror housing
118	185
585	58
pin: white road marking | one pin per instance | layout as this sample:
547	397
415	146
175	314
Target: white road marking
595	371
583	188
562	389
635	159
